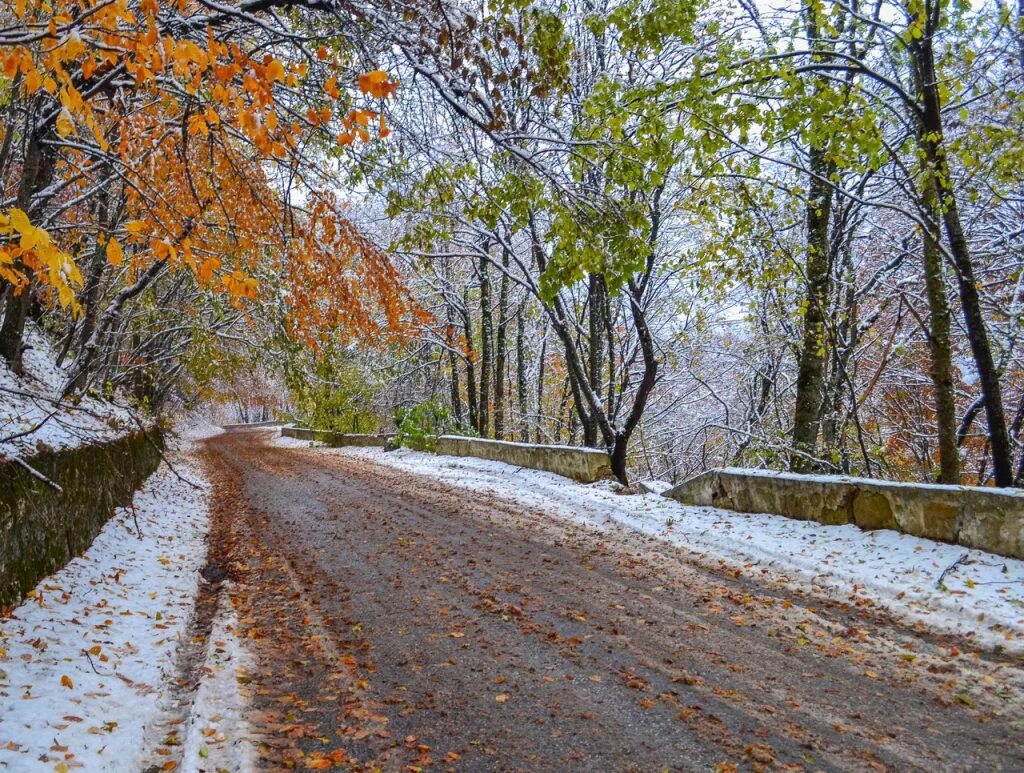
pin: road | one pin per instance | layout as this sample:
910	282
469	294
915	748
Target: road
399	623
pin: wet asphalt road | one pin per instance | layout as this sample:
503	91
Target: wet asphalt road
398	623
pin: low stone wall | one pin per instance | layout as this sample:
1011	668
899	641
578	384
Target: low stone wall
254	424
41	529
583	464
337	439
984	518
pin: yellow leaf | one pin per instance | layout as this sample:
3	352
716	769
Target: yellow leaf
33	81
275	71
114	252
501	698
207	269
33	237
19	220
66	682
65	123
135	227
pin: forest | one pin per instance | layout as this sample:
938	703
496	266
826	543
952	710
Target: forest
695	233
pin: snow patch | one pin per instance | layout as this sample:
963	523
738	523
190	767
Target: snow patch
217	736
32	413
86	660
282	441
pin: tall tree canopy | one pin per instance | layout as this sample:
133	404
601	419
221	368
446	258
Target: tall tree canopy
692	232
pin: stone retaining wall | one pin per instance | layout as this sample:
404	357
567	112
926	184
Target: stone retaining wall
254	424
337	439
583	464
984	518
41	529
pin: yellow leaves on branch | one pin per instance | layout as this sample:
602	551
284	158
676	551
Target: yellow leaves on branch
25	247
115	253
377	84
240	286
221	94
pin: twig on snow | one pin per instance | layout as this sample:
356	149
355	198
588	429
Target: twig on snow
135	517
950	568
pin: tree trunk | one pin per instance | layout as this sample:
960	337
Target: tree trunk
455	388
811	372
521	387
501	353
941	370
467	326
595	355
935	156
486	340
36	174
541	361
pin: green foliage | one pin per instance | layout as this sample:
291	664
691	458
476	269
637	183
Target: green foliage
420	425
333	392
649	30
551	49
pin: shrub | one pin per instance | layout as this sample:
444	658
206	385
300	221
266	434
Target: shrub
418	427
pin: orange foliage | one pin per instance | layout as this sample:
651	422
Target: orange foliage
194	126
338	278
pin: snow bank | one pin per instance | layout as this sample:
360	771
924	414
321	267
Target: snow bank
30	404
981	597
86	660
217	736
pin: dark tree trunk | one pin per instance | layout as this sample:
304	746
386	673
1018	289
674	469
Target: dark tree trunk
811	367
471	397
501	353
37	172
455	389
541	363
970	301
486	343
596	307
522	393
939	342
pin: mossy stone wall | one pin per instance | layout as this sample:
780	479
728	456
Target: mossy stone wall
337	439
41	529
984	518
582	464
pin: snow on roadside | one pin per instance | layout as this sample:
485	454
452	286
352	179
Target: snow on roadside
194	429
217	735
29	404
294	442
86	660
981	598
